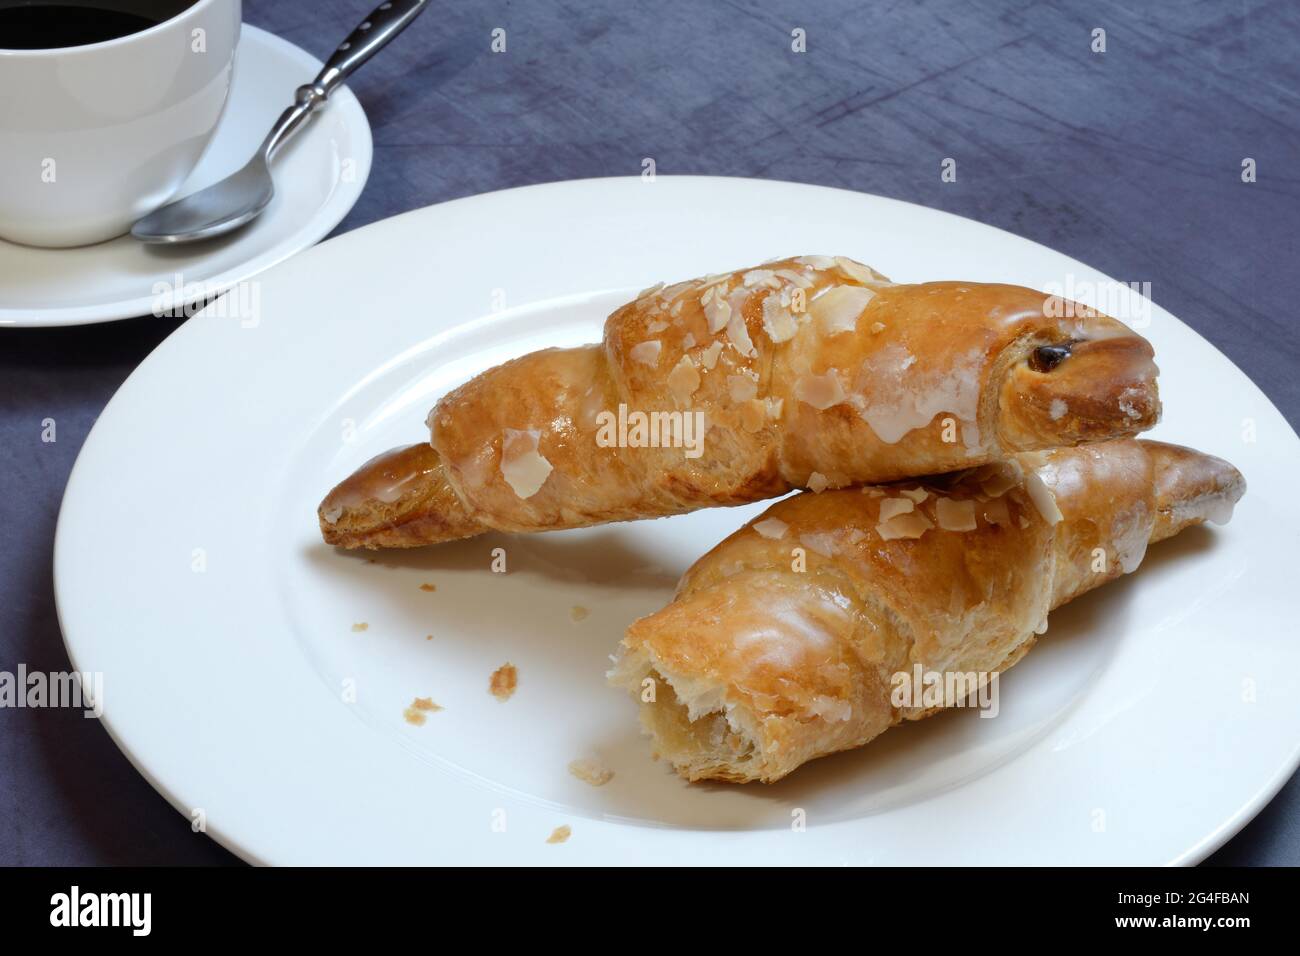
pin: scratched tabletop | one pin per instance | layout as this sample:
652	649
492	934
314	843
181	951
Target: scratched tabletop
1163	149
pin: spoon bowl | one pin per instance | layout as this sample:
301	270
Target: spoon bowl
240	198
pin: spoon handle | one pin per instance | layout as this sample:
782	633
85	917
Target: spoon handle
385	22
371	35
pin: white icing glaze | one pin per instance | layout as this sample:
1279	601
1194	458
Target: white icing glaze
788	632
894	399
1131	532
522	466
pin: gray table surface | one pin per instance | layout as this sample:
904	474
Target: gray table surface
1129	160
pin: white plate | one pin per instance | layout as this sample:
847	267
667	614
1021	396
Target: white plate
1156	717
318	176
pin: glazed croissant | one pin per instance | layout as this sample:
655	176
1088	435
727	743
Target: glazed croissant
756	668
805	372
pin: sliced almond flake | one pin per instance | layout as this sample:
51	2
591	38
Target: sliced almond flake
688	341
817	262
658	286
773	529
817	482
658	325
718	311
911	525
752	416
738	335
709	357
916	494
761	277
647	353
892	507
877	328
778	323
712	280
676	310
820	391
1042	497
954	514
871	491
823	542
522	466
774	406
837	309
677	289
795	278
683	380
856	536
741	388
863	273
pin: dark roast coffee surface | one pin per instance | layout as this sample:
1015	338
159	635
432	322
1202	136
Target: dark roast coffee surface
51	26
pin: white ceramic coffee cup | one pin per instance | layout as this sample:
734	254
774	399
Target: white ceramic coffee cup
94	137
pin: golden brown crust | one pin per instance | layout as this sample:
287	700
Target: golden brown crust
805	372
398	500
758	666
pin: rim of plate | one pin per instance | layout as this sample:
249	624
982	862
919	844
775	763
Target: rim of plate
342	198
162	781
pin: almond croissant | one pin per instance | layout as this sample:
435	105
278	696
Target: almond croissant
756	668
805	372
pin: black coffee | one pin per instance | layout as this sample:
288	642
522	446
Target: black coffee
48	26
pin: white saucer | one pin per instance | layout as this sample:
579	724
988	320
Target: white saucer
318	177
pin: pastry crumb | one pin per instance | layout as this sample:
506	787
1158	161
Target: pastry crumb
578	612
591	771
560	834
428	637
504	681
360	626
428	587
419	710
